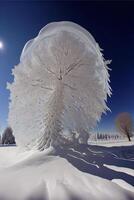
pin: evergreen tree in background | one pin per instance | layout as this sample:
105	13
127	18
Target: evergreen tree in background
8	137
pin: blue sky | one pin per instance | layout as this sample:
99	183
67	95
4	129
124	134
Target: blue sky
112	25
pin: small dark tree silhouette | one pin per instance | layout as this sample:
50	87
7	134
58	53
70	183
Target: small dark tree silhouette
8	137
124	124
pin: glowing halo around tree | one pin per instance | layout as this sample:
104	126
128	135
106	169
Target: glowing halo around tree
61	83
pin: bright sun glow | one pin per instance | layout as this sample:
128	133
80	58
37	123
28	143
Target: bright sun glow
1	45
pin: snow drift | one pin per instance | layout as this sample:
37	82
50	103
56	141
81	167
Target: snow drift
61	83
42	176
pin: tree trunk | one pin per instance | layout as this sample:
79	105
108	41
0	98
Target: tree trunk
53	121
128	135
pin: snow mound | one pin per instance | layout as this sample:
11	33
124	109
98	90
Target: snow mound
42	176
123	184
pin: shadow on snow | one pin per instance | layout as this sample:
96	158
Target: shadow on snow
91	159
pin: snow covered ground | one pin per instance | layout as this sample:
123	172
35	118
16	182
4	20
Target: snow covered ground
112	143
84	172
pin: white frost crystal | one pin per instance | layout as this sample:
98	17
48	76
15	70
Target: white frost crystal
61	83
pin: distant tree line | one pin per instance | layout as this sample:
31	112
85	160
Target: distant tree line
98	136
124	126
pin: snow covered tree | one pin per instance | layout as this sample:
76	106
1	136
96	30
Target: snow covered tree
8	137
61	83
124	124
